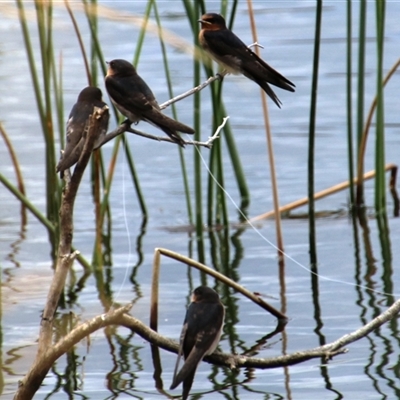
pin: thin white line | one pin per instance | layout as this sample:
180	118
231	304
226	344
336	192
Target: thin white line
276	248
123	162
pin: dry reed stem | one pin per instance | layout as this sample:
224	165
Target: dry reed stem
318	195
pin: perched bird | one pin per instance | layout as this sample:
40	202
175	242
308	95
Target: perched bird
134	99
77	126
228	50
200	334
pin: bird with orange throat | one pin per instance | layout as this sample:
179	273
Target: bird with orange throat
232	54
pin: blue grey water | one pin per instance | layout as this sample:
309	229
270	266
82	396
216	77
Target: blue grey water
286	30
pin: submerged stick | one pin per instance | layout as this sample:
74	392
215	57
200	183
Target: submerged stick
318	195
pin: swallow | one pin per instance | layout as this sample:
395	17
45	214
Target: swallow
77	126
134	99
231	53
200	335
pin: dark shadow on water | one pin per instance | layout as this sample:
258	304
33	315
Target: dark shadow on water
126	362
140	256
71	379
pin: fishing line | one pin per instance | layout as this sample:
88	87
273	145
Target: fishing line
298	263
125	218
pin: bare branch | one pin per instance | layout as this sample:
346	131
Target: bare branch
215	136
124	127
255	44
192	91
111	135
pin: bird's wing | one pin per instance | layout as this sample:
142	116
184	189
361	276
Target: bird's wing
180	352
132	92
256	68
76	132
230	50
199	340
77	123
225	47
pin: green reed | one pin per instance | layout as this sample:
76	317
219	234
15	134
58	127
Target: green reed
311	141
193	15
349	102
174	113
216	199
361	95
380	198
103	207
44	101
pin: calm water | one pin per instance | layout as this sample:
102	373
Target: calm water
120	366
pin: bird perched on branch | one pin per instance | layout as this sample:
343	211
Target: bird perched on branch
78	125
200	335
231	53
134	99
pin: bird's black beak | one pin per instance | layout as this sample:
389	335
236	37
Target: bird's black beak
204	22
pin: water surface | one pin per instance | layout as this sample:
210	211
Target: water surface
120	365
